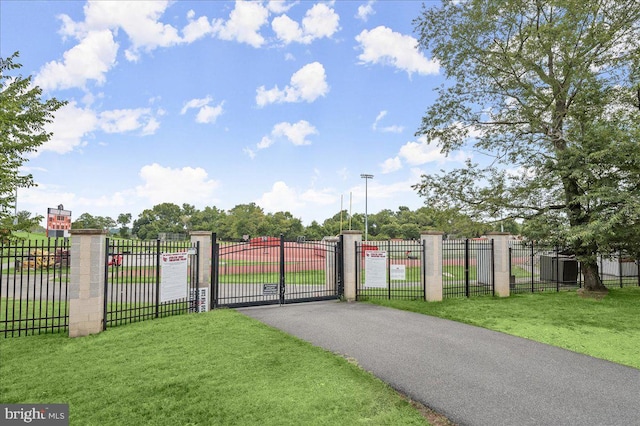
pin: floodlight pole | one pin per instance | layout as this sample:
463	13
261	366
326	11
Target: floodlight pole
366	178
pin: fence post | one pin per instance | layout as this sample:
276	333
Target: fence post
501	262
87	282
204	256
349	261
432	276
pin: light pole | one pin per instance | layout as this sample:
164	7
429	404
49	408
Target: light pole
366	178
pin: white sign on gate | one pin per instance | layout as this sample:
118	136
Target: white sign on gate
173	276
375	269
398	272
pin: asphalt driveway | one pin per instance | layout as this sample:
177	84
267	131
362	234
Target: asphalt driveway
471	375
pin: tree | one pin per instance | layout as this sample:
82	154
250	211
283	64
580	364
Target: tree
164	217
23	116
548	89
209	219
23	222
123	220
284	223
87	221
246	219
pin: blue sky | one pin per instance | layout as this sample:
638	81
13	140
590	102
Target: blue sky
219	103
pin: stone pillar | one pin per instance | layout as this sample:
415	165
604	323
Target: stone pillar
349	239
204	257
86	286
500	262
432	241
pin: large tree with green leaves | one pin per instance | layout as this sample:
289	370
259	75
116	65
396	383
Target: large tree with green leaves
549	90
23	116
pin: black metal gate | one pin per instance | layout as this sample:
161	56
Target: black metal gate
270	270
133	280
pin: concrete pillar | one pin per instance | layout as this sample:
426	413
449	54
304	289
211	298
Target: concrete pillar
87	282
204	266
432	241
501	262
349	239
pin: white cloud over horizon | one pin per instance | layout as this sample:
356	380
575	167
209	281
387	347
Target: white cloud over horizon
306	85
382	45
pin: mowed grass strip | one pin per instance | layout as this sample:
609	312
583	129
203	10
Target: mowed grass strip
607	328
217	368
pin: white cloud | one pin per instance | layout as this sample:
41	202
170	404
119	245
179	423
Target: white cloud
206	112
196	29
391	165
307	84
185	185
381	45
297	133
417	153
70	126
90	59
138	19
280	198
421	152
266	142
319	21
127	120
323	197
244	23
387	129
280	6
286	29
365	10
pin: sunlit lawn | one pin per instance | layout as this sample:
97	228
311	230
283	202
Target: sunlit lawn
216	368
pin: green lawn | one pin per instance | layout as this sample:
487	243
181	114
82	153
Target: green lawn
217	368
607	328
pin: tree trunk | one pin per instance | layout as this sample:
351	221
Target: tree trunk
592	281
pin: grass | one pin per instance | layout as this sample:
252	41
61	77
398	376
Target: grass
207	369
607	328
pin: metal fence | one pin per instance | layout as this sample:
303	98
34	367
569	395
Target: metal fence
390	270
34	277
535	267
270	270
619	270
467	268
132	281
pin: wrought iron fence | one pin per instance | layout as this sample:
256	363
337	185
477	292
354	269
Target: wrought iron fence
34	277
270	270
619	270
535	267
390	270
467	268
133	281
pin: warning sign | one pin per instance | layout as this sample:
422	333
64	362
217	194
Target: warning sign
375	269
173	276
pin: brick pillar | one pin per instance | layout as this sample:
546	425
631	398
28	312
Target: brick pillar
86	286
501	262
349	259
433	265
204	257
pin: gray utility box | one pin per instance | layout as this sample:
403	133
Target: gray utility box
563	269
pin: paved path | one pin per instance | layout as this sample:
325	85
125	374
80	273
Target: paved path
471	375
